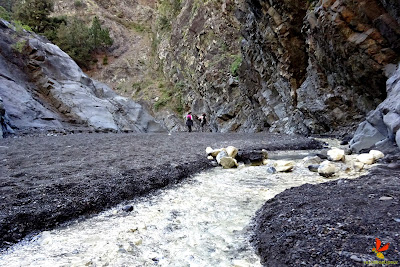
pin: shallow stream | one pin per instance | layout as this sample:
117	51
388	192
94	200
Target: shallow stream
201	222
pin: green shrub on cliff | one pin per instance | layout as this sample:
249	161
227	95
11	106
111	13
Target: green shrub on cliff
19	46
171	97
19	27
168	10
35	13
78	4
80	41
4	14
99	37
236	64
73	38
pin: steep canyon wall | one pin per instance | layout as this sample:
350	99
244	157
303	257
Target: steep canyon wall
307	66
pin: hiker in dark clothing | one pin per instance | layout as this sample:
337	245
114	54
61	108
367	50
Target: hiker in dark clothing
203	121
189	121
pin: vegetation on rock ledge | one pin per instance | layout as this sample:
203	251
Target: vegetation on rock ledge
71	34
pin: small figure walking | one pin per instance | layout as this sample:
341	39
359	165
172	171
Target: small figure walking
203	121
189	121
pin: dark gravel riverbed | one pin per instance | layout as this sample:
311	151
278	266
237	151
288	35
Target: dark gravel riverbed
332	224
49	180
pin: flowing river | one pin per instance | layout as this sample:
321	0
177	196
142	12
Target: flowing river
203	221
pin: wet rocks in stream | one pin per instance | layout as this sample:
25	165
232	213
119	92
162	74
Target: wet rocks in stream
336	162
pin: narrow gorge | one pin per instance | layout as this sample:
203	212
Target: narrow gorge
89	126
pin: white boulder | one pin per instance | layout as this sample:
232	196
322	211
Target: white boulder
358	166
326	169
209	150
210	157
284	165
215	152
265	153
335	154
232	151
228	162
376	154
366	158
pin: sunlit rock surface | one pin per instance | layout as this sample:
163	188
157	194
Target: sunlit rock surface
43	88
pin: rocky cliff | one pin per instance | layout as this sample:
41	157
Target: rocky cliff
42	88
308	66
382	126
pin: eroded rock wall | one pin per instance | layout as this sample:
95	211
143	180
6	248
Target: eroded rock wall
275	60
201	54
42	88
349	45
307	66
251	65
322	63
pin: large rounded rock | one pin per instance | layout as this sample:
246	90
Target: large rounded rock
232	151
327	169
2	113
383	124
228	162
376	154
209	150
265	152
397	138
284	165
335	154
307	161
365	137
127	208
358	166
271	169
215	152
366	158
313	167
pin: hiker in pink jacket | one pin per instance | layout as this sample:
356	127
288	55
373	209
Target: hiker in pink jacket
189	121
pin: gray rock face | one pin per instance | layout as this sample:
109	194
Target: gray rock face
382	125
307	66
2	118
320	68
43	88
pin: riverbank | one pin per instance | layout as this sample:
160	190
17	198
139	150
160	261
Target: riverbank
49	180
334	223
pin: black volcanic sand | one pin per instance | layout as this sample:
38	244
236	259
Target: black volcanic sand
332	224
49	180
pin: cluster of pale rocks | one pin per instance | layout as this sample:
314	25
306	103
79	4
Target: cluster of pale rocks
224	156
336	160
339	161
